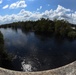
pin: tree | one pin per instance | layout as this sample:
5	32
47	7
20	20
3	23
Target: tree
72	34
4	56
62	27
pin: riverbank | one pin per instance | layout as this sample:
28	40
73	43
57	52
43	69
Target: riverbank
45	26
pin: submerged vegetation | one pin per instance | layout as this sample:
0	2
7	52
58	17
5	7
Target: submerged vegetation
45	26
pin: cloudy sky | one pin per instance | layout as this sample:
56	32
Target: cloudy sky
23	10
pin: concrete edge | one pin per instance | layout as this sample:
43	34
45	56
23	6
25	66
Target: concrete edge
69	69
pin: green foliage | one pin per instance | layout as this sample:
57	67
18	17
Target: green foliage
4	56
62	27
1	42
43	26
72	34
1	38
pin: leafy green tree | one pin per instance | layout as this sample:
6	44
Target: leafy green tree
72	34
59	27
4	56
62	27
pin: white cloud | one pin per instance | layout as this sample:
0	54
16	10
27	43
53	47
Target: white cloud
62	9
18	4
39	8
59	13
6	6
1	1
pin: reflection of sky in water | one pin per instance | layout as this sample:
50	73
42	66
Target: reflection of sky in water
33	52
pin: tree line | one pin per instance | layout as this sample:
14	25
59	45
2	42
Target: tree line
45	26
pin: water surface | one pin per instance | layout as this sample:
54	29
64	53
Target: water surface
34	52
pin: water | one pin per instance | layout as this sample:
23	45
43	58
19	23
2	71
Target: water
34	52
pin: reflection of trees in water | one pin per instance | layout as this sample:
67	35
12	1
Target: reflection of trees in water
46	26
42	57
14	28
43	36
24	31
5	58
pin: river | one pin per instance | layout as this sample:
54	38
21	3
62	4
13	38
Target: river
33	52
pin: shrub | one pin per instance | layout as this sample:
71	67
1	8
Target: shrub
72	34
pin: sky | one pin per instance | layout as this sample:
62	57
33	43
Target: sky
24	10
